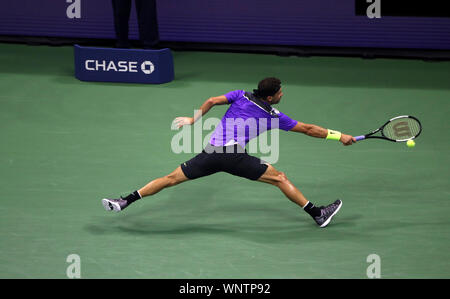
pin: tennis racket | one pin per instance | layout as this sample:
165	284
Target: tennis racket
398	129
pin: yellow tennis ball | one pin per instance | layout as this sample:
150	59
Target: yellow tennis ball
410	143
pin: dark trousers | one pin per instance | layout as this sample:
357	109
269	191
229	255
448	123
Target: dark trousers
147	22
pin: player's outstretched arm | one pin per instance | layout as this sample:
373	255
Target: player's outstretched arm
204	108
319	132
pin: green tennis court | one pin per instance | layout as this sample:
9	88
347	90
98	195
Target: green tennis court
66	144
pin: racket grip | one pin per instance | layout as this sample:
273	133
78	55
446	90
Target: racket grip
358	138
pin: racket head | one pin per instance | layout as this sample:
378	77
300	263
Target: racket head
402	128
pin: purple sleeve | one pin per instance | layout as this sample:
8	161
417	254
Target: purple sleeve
286	123
234	95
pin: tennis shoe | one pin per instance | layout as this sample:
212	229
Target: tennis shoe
116	205
326	213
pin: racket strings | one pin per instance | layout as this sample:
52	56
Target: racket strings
402	129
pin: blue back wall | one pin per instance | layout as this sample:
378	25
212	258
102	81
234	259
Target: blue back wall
280	22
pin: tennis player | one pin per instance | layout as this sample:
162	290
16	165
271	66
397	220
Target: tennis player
226	149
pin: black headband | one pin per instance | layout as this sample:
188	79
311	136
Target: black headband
266	92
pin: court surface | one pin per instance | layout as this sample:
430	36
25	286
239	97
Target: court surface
66	144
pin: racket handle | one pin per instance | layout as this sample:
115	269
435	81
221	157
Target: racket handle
358	138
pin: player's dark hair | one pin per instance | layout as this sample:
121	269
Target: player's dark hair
267	87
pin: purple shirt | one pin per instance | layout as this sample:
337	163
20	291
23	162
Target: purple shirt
245	120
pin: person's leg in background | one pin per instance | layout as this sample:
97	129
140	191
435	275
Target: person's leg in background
121	10
148	23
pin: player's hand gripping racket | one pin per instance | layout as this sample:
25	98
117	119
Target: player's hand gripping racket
397	129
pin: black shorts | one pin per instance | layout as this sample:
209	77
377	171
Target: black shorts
232	159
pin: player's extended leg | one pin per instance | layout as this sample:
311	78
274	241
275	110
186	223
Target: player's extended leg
279	179
174	178
177	176
322	215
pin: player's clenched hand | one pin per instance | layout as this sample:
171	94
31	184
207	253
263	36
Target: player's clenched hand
181	121
347	139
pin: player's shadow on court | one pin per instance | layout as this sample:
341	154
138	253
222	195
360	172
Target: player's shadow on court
245	222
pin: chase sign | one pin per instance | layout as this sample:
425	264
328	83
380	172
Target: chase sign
123	65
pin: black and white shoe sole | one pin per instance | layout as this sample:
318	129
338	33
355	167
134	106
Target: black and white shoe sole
334	213
110	205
